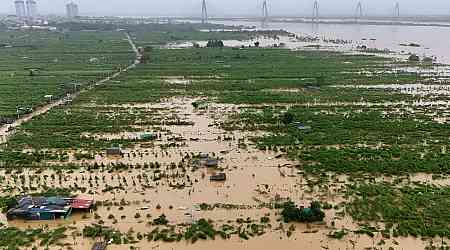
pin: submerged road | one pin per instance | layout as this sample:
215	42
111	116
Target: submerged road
7	130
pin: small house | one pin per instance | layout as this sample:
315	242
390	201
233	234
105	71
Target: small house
414	58
47	208
6	120
203	156
94	60
210	163
40	208
114	151
301	126
49	97
148	136
81	204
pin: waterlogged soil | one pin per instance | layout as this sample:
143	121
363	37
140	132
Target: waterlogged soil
159	178
429	90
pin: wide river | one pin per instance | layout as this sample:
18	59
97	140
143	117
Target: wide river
434	41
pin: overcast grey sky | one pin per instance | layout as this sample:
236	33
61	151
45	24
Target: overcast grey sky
234	7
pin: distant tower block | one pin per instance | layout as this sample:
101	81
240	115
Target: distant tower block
204	12
20	9
265	12
315	16
359	11
72	10
31	9
397	10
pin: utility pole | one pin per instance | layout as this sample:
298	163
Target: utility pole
397	10
265	12
204	12
315	16
359	11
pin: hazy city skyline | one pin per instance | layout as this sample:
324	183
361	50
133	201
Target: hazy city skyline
235	7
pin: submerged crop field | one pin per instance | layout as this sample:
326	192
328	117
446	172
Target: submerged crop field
208	146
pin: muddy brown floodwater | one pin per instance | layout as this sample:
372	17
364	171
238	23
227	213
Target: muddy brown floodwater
254	177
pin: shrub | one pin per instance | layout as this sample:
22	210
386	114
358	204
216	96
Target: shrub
291	213
161	220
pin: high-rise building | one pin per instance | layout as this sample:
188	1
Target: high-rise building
20	8
31	9
72	10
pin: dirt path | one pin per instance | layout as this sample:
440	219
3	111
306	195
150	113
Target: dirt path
133	46
7	130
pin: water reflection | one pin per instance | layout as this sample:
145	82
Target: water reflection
432	40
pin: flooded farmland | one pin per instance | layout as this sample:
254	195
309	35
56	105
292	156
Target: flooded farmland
238	139
179	185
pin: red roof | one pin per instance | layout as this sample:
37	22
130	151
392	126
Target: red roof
81	203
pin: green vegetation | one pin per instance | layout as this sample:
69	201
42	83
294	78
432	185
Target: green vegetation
291	213
151	34
406	211
98	231
352	139
295	97
161	220
42	63
50	63
271	70
7	203
14	238
395	160
202	229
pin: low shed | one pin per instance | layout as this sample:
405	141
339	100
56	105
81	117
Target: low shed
114	151
218	177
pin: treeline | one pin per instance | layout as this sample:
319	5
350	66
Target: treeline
150	27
